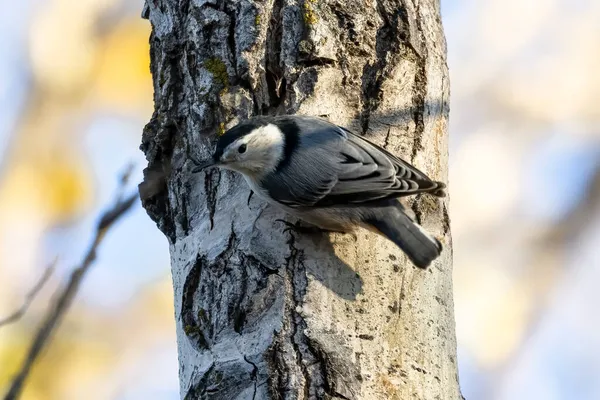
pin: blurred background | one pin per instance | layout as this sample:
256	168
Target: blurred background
75	92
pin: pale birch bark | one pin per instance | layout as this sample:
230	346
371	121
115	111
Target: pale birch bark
267	314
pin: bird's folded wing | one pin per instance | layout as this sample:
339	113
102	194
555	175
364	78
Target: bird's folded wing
358	171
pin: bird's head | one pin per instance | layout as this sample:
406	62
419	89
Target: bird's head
253	147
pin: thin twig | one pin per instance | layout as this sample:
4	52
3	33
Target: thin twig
29	297
65	297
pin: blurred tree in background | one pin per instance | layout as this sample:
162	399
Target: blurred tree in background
84	79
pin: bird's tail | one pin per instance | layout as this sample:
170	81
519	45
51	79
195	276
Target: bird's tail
421	247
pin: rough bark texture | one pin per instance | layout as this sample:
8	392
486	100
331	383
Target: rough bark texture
266	314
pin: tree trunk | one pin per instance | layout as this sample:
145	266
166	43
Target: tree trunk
265	313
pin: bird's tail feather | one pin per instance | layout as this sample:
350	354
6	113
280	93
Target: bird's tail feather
420	247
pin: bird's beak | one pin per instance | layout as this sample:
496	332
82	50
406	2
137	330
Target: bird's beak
201	166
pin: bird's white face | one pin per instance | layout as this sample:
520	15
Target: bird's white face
256	153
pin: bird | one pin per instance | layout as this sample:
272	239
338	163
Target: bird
324	174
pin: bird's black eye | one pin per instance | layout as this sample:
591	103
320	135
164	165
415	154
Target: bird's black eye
242	148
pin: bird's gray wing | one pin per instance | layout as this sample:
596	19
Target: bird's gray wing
332	166
370	173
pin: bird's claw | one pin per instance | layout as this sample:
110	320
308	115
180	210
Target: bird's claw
289	227
299	228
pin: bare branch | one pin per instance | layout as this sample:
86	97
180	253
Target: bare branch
65	297
29	297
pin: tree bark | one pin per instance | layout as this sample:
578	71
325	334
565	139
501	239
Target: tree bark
265	313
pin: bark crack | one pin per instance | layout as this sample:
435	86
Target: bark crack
276	83
198	325
254	375
292	353
387	138
446	219
417	210
390	36
211	186
238	313
194	326
231	44
419	87
401	296
294	265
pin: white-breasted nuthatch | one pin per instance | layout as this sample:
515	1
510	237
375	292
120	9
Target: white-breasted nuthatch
328	176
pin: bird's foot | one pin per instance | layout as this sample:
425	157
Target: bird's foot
249	197
299	227
311	229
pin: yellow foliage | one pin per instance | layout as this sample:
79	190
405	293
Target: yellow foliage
56	189
68	363
123	77
63	46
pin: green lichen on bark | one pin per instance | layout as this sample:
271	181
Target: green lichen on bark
310	16
219	70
